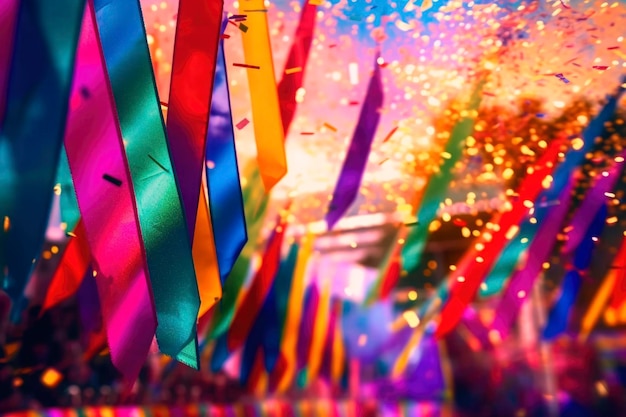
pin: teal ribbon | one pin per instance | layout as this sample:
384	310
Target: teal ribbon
70	213
31	133
438	186
161	217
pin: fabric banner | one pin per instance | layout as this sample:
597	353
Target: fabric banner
268	126
160	211
38	89
438	184
353	168
224	187
193	67
111	224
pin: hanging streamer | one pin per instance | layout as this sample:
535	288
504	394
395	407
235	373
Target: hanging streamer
70	214
8	19
259	288
225	199
351	174
438	185
193	66
560	312
204	256
495	281
528	229
573	158
472	270
521	284
255	204
38	92
111	224
306	329
274	325
297	58
161	216
72	268
319	335
268	126
282	377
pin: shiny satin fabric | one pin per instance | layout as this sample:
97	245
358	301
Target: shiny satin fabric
193	65
8	18
161	215
268	126
105	196
70	214
224	187
72	268
353	168
31	131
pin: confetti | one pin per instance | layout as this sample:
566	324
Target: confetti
246	66
51	378
243	27
562	78
390	134
293	70
600	67
329	126
243	123
112	180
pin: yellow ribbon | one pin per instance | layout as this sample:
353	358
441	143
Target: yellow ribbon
319	335
205	256
294	313
268	125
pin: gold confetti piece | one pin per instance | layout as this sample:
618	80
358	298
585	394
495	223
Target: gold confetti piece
7	223
71	234
316	2
611	220
330	127
293	70
51	377
510	234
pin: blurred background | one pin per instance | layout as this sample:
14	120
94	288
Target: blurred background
366	336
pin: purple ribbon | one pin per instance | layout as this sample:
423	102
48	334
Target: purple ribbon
521	283
351	174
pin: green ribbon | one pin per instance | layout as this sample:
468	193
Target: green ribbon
161	217
31	133
70	214
438	185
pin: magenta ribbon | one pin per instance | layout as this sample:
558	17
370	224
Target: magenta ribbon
594	200
8	17
105	196
521	284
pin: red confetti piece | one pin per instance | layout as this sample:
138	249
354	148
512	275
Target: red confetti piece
307	133
600	67
487	93
243	123
246	66
610	48
459	222
390	134
353	103
225	36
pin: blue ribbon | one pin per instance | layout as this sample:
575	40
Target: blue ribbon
225	199
560	312
31	133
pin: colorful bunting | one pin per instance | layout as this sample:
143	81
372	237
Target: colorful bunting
111	226
438	184
268	126
195	55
